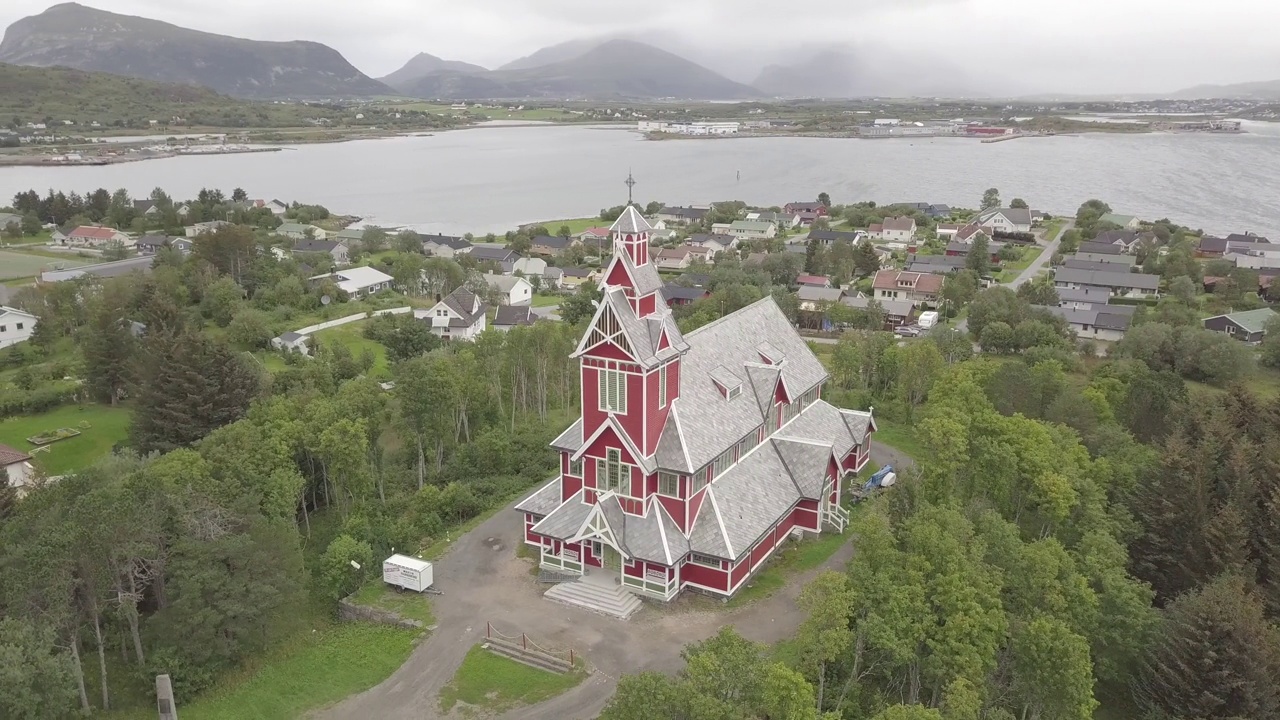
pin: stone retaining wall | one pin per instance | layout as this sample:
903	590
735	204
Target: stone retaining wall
350	612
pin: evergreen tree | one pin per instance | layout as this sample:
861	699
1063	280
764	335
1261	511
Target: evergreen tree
979	258
865	259
190	385
108	346
1216	657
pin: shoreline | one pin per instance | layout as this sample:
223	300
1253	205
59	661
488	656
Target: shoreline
48	161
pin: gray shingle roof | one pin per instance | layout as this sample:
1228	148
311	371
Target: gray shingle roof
514	315
1103	278
564	521
631	221
808	293
806	463
710	423
544	500
641	334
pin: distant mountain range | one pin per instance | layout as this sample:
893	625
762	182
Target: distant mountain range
423	64
600	70
1263	90
84	38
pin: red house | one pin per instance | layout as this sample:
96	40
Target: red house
696	456
817	209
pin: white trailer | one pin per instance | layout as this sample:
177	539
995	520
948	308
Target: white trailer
407	572
927	319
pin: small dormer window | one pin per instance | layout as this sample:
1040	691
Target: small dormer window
734	392
730	385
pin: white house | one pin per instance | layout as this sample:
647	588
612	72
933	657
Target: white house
298	231
15	326
1006	220
459	316
511	290
752	229
18	465
93	236
276	207
204	227
291	342
359	281
895	230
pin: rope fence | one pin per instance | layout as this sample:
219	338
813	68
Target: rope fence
528	645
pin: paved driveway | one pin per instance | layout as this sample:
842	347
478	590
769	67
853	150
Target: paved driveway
483	581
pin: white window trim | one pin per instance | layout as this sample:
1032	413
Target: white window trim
705	561
576	467
612	390
616	474
662	386
662	475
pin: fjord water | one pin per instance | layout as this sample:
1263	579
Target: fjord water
492	179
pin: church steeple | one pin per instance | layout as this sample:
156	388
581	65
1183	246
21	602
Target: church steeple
631	236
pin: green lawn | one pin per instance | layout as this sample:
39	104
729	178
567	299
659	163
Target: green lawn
106	426
409	605
495	683
899	436
15	264
352	336
576	225
541	300
317	668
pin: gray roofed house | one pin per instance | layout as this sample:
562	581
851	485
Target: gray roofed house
826	237
1125	284
460	315
1076	263
496	253
1099	322
335	250
1248	325
812	298
291	342
897	312
1100	248
1083	297
695	456
510	316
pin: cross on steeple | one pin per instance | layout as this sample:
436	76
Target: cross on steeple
630	183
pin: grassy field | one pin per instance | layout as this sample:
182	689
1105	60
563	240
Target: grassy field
352	336
319	667
576	225
15	265
406	604
899	436
541	114
541	300
494	683
106	427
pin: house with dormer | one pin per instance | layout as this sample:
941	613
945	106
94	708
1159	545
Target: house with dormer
918	287
696	456
460	315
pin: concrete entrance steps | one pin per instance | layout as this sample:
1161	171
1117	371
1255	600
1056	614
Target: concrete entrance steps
598	594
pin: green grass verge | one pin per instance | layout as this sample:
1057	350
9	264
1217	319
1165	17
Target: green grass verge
408	605
352	336
899	436
317	668
791	558
494	683
541	300
106	427
14	265
576	225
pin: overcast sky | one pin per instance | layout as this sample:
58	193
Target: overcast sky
1069	46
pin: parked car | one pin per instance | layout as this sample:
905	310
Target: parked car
908	331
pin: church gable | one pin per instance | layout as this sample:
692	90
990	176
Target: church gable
607	330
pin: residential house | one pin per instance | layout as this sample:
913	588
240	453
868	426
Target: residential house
510	289
298	231
1099	322
753	229
1006	220
1083	298
799	208
491	252
17	465
1235	242
677	258
936	264
827	237
896	312
814	298
784	221
349	236
933	210
947	231
692	465
1247	326
970	232
682	215
1100	252
335	250
595	240
715	242
151	244
548	245
206	227
1264	264
528	267
444	246
921	288
813	281
292	342
808	217
16	326
276	207
1126	240
961	249
147	208
573	277
459	316
895	230
358	281
510	316
757	259
1077	263
552	278
721	228
1127	222
92	236
1123	284
681	295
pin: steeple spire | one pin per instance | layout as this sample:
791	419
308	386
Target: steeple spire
630	183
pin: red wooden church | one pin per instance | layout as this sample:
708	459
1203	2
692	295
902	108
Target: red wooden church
695	456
